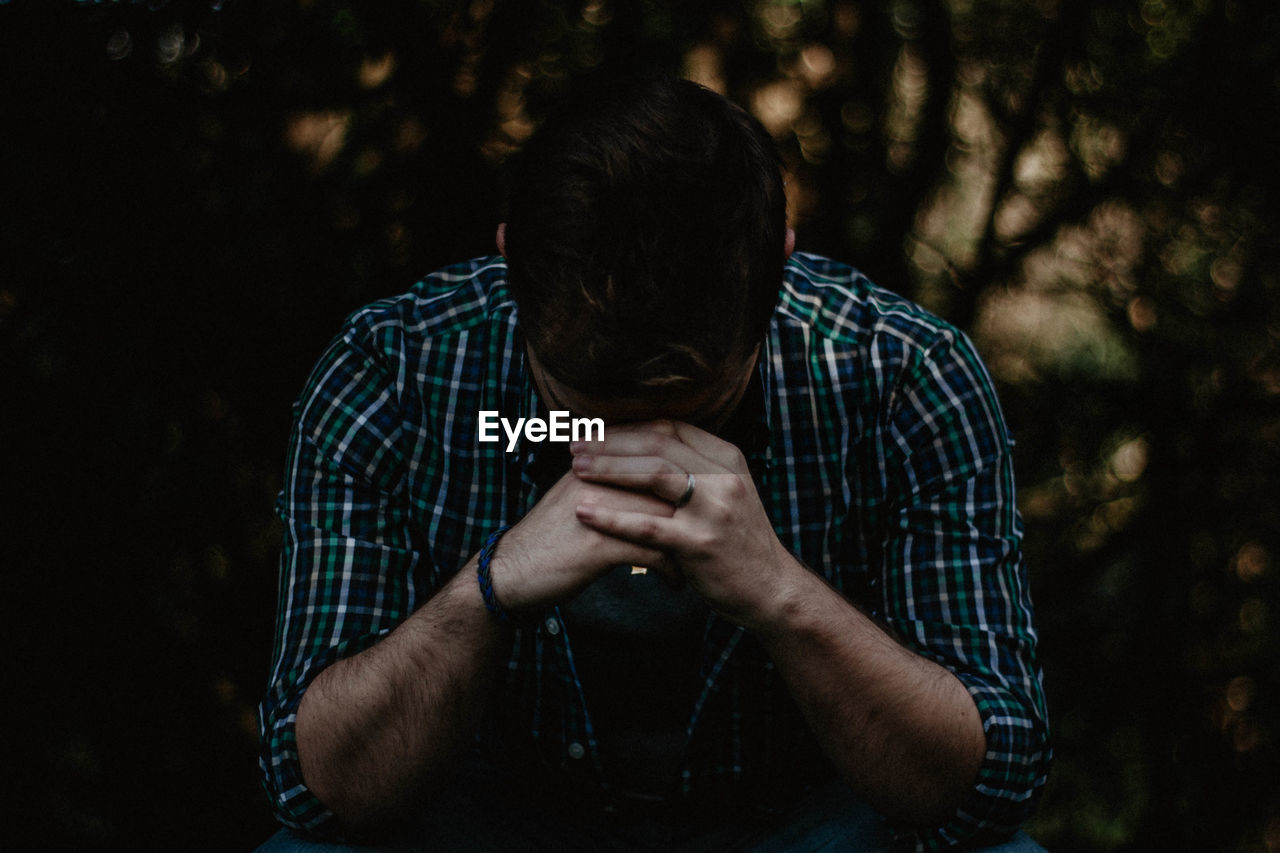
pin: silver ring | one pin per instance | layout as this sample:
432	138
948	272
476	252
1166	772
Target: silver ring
688	492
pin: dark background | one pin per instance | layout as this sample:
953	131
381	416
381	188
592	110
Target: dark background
196	194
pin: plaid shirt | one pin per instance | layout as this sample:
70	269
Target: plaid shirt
884	464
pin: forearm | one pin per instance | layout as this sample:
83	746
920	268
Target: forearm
903	731
377	730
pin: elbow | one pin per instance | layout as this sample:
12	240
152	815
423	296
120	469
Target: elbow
1007	786
1003	789
331	769
292	804
945	779
302	798
359	815
367	809
959	767
949	762
346	769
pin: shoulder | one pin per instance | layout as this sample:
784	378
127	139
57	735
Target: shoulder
406	367
438	330
450	301
444	325
837	302
859	329
918	378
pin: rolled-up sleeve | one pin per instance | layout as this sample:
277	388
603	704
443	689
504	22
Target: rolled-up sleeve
348	554
954	581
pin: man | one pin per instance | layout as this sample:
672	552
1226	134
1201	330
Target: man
786	584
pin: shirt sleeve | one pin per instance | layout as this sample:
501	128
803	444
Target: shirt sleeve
348	554
955	584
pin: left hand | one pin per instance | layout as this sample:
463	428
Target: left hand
721	540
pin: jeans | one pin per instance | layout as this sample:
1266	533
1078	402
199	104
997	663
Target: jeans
475	815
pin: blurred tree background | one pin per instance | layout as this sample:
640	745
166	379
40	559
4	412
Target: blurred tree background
195	194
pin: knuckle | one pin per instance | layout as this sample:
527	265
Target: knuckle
658	442
704	541
721	513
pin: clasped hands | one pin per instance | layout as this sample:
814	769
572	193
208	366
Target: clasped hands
619	503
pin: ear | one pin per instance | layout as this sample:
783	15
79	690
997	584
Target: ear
788	249
501	239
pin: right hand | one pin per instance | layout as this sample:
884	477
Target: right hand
550	555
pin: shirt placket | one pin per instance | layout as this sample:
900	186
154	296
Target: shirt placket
578	749
578	746
723	637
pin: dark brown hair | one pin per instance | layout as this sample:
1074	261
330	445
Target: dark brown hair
645	236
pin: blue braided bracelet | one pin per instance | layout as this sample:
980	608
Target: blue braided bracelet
482	574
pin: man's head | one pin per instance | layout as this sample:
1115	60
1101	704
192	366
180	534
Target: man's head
645	241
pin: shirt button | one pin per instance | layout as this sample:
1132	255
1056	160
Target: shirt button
553	628
576	751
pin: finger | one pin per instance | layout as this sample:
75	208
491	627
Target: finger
723	453
637	442
651	474
651	531
622	498
712	447
662	425
632	554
